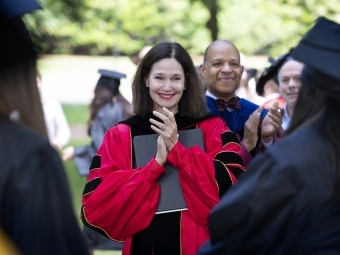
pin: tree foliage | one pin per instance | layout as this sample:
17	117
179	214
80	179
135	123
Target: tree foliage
272	27
212	22
100	27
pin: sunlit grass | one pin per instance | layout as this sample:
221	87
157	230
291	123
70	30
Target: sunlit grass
76	113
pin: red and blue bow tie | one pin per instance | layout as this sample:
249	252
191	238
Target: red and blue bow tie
234	104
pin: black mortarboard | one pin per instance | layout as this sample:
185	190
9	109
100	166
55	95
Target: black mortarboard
320	48
271	60
110	79
271	72
251	73
14	8
15	42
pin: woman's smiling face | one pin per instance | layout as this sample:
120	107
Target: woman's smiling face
166	84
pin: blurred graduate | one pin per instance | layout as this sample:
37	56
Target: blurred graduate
107	108
36	211
268	87
288	200
283	75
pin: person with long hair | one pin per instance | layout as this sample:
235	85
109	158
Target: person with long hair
120	199
268	87
288	202
36	211
107	108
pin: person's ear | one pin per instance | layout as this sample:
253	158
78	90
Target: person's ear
147	83
242	69
202	71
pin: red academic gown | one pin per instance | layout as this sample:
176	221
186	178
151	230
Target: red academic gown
120	201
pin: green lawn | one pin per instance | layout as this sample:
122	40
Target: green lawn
76	113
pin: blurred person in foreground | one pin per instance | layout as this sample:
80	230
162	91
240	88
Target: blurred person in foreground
222	73
120	200
6	245
288	202
57	127
36	211
107	108
268	88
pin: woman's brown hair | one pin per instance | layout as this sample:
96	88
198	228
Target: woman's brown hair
19	92
315	104
192	103
104	95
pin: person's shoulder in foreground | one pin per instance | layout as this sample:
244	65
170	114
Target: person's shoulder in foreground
36	177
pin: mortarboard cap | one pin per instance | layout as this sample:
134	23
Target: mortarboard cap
320	48
271	72
14	8
271	60
110	79
251	73
15	42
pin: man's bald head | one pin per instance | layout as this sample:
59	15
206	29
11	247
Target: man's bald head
218	43
222	70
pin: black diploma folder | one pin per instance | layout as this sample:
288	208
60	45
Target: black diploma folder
145	147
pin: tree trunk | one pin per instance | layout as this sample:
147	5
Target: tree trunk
212	22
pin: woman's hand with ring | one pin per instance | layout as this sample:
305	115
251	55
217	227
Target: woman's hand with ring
163	127
167	129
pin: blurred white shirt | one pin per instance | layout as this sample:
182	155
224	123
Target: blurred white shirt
56	123
285	119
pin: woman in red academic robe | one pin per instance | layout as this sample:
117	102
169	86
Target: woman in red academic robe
120	200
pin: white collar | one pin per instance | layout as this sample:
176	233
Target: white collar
207	93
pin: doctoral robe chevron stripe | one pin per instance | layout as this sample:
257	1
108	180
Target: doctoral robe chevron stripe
96	162
93	180
226	174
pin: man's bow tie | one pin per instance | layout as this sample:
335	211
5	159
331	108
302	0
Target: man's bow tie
234	104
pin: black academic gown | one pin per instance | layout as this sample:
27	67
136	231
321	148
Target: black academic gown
283	204
36	210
